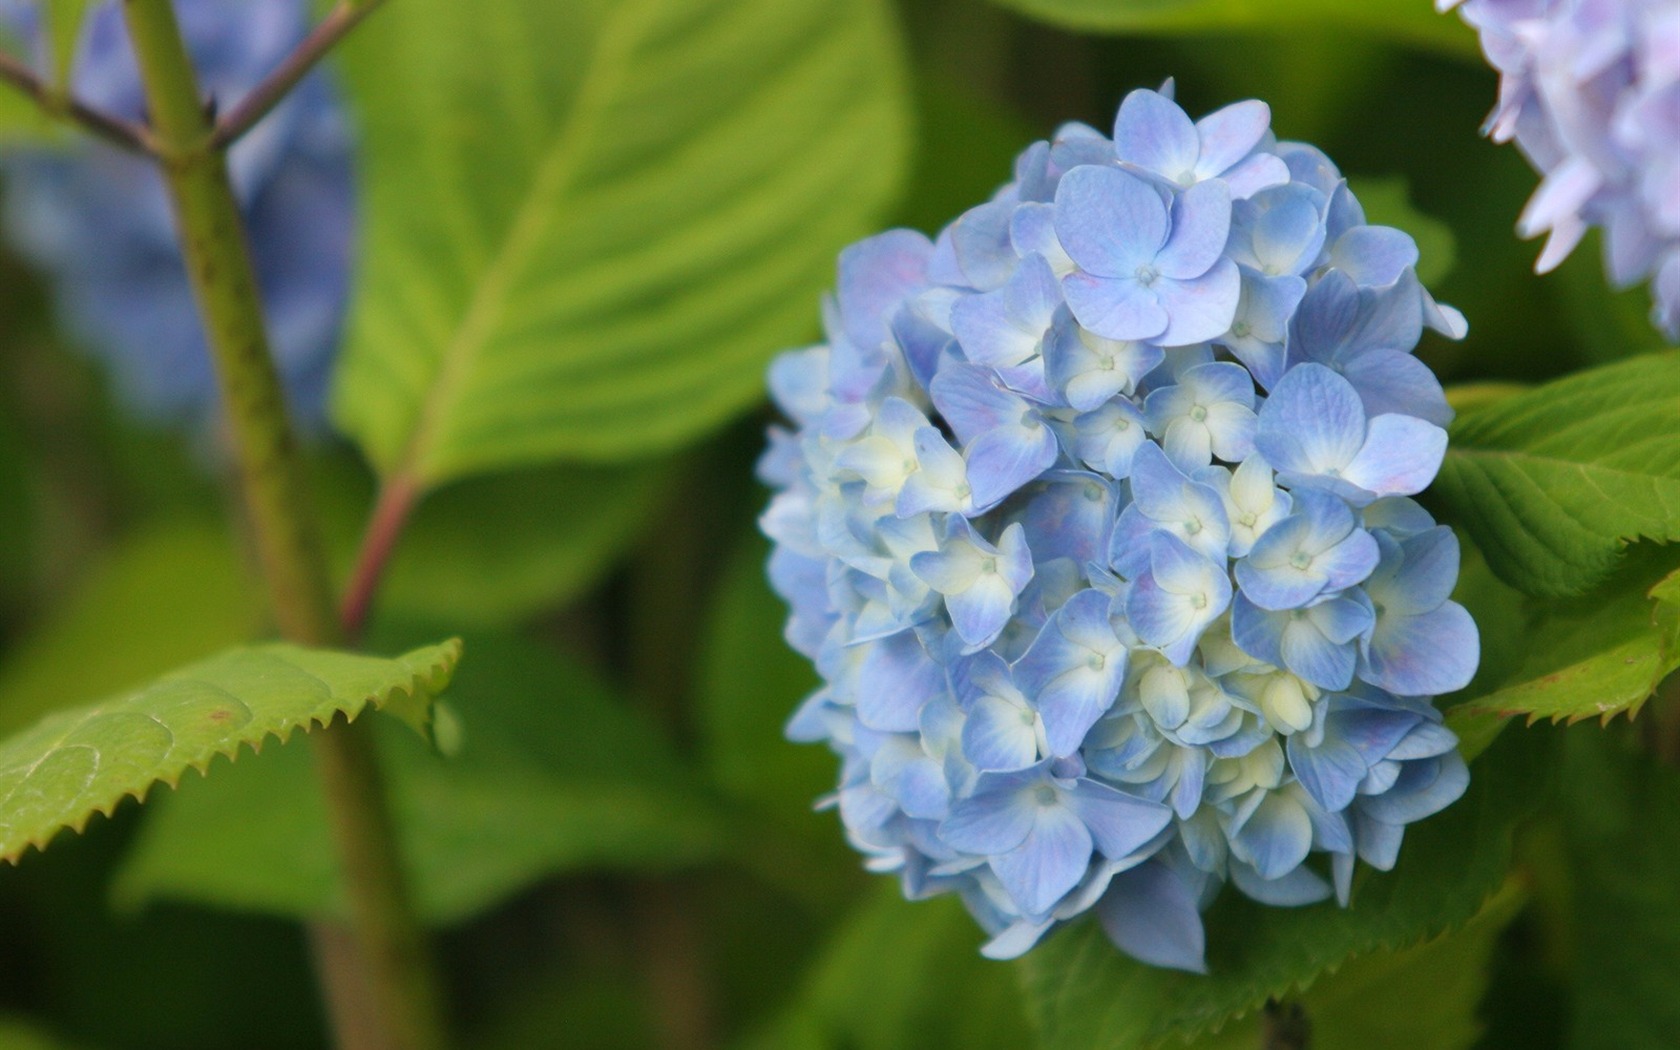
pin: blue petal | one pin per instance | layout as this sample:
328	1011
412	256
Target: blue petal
1072	517
1427	654
1400	456
980	244
1052	860
980	612
1110	222
1425	788
1116	307
1152	132
1201	225
894	680
1199	308
1001	461
1299	887
1330	772
1228	135
1307	652
997	818
972	403
1374	255
1152	915
1119	823
1072	683
1275	838
1006	327
1391	381
876	275
999	736
1312	422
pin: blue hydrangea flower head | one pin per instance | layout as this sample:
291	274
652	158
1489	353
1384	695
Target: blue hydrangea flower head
1589	90
97	220
1094	517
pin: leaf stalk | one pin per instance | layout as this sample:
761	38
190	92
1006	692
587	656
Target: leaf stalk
389	948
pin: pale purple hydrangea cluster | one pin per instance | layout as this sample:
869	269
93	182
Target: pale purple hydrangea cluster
1095	522
1590	92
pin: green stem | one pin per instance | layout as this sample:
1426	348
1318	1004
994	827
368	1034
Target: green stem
389	944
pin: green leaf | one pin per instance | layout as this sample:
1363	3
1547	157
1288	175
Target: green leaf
1357	1006
493	551
79	762
587	226
1595	656
1410	21
554	774
64	29
1553	483
1084	995
1623	838
1388	202
902	975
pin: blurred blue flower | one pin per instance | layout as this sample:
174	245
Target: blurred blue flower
98	220
1590	92
1095	521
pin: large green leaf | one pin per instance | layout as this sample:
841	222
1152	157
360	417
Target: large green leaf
553	774
588	225
1356	1008
1623	834
901	975
1412	21
1595	656
1552	484
494	550
1085	995
79	762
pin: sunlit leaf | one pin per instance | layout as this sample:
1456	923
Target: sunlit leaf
554	774
1552	484
1409	21
83	761
589	225
1595	656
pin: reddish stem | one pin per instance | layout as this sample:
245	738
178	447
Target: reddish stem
397	497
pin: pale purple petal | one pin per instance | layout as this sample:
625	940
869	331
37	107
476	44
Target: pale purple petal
1199	309
1109	221
1401	456
1152	132
1052	860
1152	915
1201	225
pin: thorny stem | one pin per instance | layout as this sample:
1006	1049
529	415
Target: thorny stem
266	95
113	129
388	946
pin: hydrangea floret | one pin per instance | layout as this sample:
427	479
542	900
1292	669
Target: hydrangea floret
98	220
1589	90
1094	516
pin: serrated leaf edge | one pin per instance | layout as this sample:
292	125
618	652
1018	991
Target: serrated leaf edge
428	679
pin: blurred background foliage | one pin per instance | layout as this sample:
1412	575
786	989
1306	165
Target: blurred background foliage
624	853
